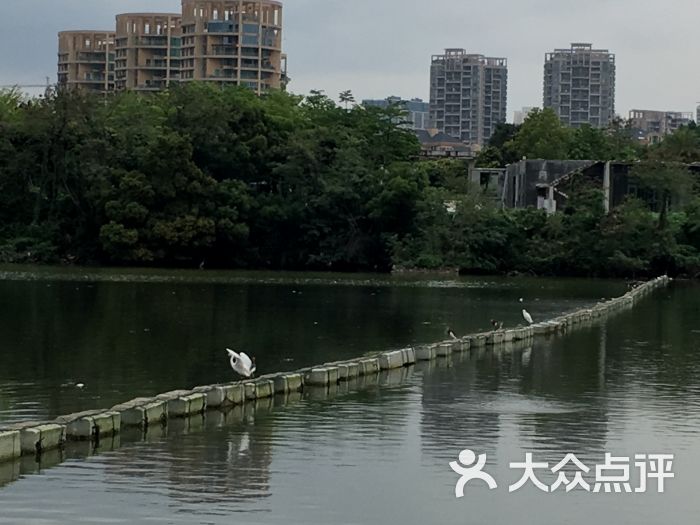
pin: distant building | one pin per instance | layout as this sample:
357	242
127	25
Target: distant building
652	126
147	48
418	112
227	42
579	85
435	143
547	184
233	42
468	95
520	116
86	60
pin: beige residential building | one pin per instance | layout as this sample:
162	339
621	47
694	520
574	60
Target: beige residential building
86	60
233	42
147	51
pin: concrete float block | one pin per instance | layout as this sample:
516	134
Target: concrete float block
10	445
317	377
426	353
43	437
264	388
234	394
250	391
106	423
539	328
479	340
391	360
444	350
353	370
368	366
333	375
465	344
342	372
409	356
215	395
508	336
186	405
285	383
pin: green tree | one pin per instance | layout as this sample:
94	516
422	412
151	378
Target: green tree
542	136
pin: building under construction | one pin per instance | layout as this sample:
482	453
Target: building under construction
230	42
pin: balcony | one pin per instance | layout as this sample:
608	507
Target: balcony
157	64
223	51
222	26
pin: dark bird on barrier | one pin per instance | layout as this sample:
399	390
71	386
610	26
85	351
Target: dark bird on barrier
241	363
496	324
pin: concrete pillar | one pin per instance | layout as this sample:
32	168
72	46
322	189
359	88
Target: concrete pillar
606	188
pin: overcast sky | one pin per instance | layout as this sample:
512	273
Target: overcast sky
378	48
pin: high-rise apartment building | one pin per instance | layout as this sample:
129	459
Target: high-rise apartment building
233	42
468	95
417	111
652	126
579	85
229	42
147	51
86	60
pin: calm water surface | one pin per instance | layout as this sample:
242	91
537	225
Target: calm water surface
369	453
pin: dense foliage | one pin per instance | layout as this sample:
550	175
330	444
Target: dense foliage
222	177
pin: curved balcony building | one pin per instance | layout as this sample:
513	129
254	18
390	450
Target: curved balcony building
233	42
86	60
147	51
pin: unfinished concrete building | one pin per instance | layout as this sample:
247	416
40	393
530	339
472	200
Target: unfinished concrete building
652	126
579	85
233	42
86	60
147	51
468	95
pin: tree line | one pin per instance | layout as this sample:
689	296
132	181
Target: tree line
224	178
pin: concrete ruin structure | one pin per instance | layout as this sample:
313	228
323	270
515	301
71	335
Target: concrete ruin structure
468	95
86	60
147	51
579	85
229	42
546	184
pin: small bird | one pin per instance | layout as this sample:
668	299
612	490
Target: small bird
80	385
496	325
451	334
241	363
527	316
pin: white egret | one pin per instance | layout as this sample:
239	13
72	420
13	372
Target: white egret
241	363
527	316
451	334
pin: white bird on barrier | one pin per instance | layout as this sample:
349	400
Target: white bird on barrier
527	316
451	334
241	363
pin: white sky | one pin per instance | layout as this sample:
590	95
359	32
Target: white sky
379	48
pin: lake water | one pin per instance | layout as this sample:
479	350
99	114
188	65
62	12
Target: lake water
369	453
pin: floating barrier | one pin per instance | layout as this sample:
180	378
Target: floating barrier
184	408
